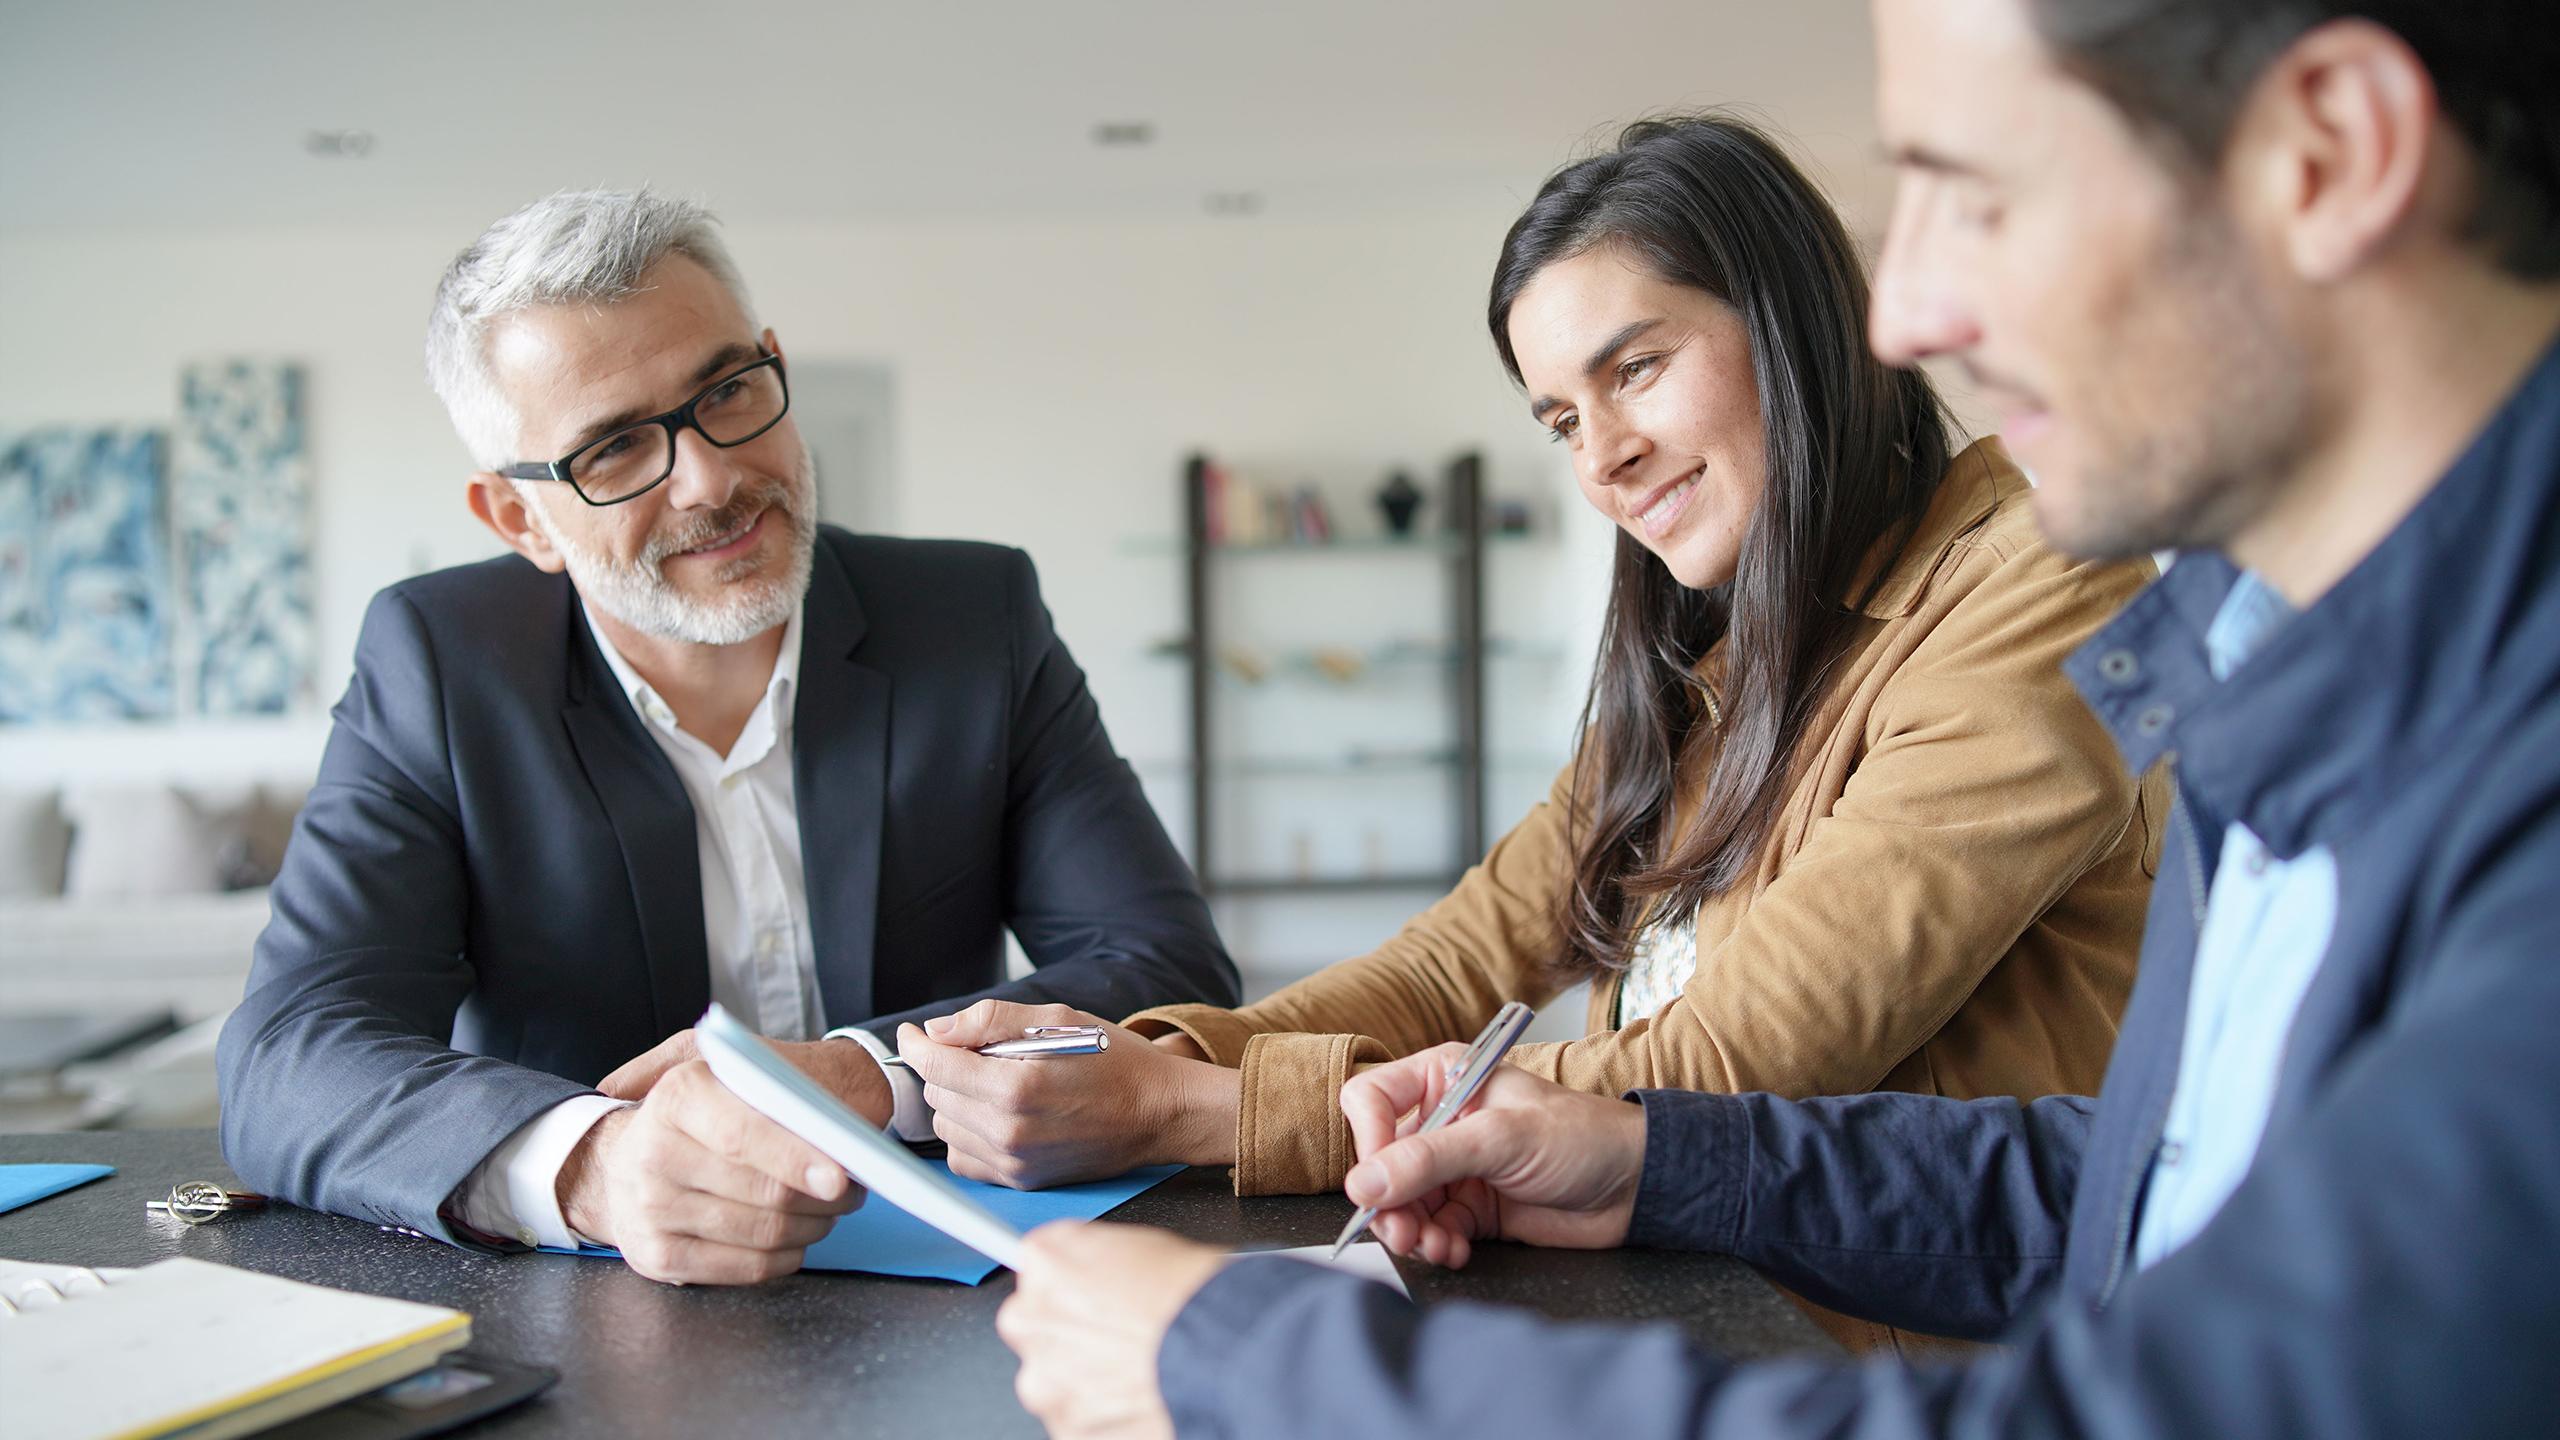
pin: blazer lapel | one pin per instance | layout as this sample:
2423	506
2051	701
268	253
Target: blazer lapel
653	821
840	785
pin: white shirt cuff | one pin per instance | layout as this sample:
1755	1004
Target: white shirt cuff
910	1119
515	1192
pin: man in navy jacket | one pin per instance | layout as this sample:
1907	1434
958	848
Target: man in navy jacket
2275	283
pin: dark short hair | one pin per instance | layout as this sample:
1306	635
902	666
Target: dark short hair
2181	69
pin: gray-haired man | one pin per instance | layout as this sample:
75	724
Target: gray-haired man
683	743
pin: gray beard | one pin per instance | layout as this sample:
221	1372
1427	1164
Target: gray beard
637	593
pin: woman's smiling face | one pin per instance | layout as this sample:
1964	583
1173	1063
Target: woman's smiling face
1649	384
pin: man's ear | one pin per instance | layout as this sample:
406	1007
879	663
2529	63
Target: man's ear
772	346
2339	138
494	498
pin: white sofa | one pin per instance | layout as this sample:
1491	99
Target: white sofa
134	898
136	895
187	952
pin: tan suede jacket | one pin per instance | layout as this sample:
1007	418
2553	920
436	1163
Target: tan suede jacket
1950	903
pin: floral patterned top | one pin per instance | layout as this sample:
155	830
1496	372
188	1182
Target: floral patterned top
1666	956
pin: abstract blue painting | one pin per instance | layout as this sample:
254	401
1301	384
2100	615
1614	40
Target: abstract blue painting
240	497
84	576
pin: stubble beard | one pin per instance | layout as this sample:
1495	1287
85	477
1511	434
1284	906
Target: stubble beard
2188	460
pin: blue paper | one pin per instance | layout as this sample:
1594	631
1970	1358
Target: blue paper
881	1239
27	1184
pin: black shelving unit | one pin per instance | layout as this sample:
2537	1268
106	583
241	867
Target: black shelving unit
1460	544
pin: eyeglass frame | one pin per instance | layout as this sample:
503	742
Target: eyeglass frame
674	422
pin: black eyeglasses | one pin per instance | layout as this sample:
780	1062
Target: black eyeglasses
632	461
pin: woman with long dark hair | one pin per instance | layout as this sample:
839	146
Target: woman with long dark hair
1836	823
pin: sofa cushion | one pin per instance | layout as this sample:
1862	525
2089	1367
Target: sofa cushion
146	840
35	842
265	825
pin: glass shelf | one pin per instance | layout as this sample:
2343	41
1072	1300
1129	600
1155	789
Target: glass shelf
1346	767
1345	666
1436	881
1437	542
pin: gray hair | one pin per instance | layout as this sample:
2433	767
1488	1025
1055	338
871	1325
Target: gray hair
577	247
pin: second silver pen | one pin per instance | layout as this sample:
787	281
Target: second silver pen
1465	1078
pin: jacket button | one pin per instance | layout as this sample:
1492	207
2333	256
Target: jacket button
2119	667
2154	720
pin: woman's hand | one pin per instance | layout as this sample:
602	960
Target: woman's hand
1528	1161
1090	1306
1030	1123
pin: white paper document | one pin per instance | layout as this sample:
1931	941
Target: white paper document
1368	1259
768	1083
778	1091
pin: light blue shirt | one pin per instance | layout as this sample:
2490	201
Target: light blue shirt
2266	925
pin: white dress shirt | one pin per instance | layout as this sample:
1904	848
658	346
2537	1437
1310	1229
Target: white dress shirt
755	915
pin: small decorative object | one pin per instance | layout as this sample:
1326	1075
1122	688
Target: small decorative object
1339	666
1373	852
1249	667
1399	499
1302	855
1511	517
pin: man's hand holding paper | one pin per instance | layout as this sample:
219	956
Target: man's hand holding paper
694	1186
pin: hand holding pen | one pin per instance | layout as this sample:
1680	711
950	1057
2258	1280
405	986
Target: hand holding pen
1528	1160
1037	1042
1038	1095
1463	1076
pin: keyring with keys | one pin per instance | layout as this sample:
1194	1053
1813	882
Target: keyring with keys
197	1201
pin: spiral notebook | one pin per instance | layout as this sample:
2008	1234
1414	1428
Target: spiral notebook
193	1349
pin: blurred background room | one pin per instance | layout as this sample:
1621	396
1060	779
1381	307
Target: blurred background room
1045	274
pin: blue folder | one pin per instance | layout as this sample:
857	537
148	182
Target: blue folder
881	1239
27	1184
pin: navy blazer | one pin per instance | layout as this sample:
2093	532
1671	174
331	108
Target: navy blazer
493	897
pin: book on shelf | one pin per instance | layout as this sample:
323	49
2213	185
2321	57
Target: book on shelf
1239	511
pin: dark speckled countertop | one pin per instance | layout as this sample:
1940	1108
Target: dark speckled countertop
822	1355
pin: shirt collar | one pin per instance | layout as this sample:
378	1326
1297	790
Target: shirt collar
2249	614
645	699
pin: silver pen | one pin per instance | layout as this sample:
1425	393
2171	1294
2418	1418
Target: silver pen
1465	1078
1039	1042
